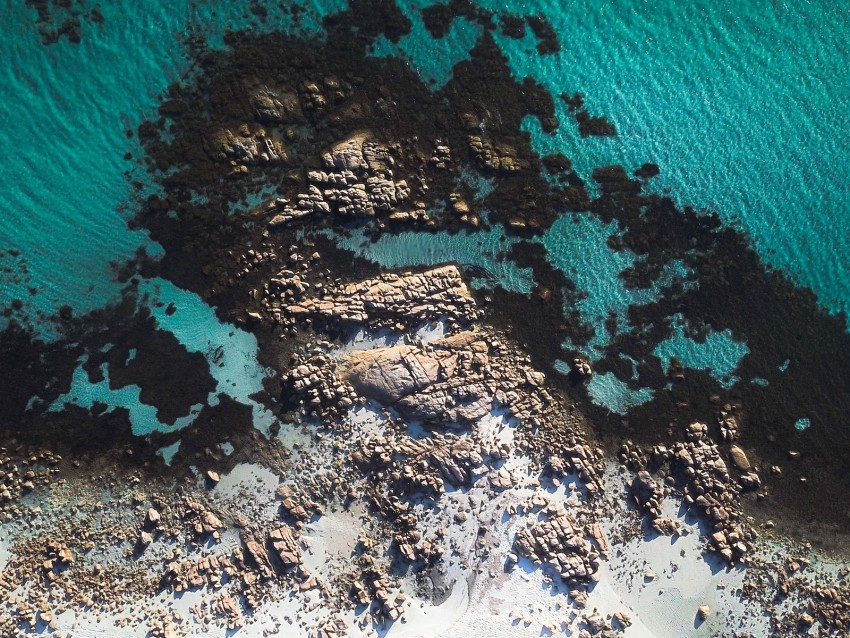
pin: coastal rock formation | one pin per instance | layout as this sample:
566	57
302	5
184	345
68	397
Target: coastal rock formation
246	147
276	107
713	491
647	494
408	299
356	180
728	423
285	546
697	465
739	458
443	382
558	542
456	379
496	157
454	459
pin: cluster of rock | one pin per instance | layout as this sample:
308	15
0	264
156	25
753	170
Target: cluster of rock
460	207
302	500
560	543
151	524
59	570
245	147
405	299
424	464
831	606
285	545
441	157
251	145
187	574
575	455
581	368
375	592
21	473
203	522
728	423
409	540
357	180
707	484
455	379
261	557
648	495
497	157
276	107
334	628
57	557
288	104
318	95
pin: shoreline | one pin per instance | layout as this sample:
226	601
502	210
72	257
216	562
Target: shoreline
471	512
460	419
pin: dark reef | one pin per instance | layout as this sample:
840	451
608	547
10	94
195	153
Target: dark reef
57	19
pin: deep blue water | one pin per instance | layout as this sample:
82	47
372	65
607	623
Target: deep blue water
743	105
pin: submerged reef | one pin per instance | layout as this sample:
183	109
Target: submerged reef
423	437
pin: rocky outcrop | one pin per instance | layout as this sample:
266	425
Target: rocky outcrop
665	526
453	459
581	368
728	423
393	299
203	521
256	554
246	147
459	378
711	488
697	465
356	180
647	494
497	157
444	382
285	545
558	542
276	107
739	458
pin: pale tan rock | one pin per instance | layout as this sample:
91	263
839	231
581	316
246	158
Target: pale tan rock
739	458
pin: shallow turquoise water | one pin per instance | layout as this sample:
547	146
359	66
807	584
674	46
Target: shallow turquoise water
743	106
719	352
65	109
230	351
577	245
410	248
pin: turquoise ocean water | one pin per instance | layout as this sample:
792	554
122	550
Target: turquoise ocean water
743	105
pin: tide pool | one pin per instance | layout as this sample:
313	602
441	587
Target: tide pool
435	69
719	352
231	354
578	246
143	419
412	248
608	391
